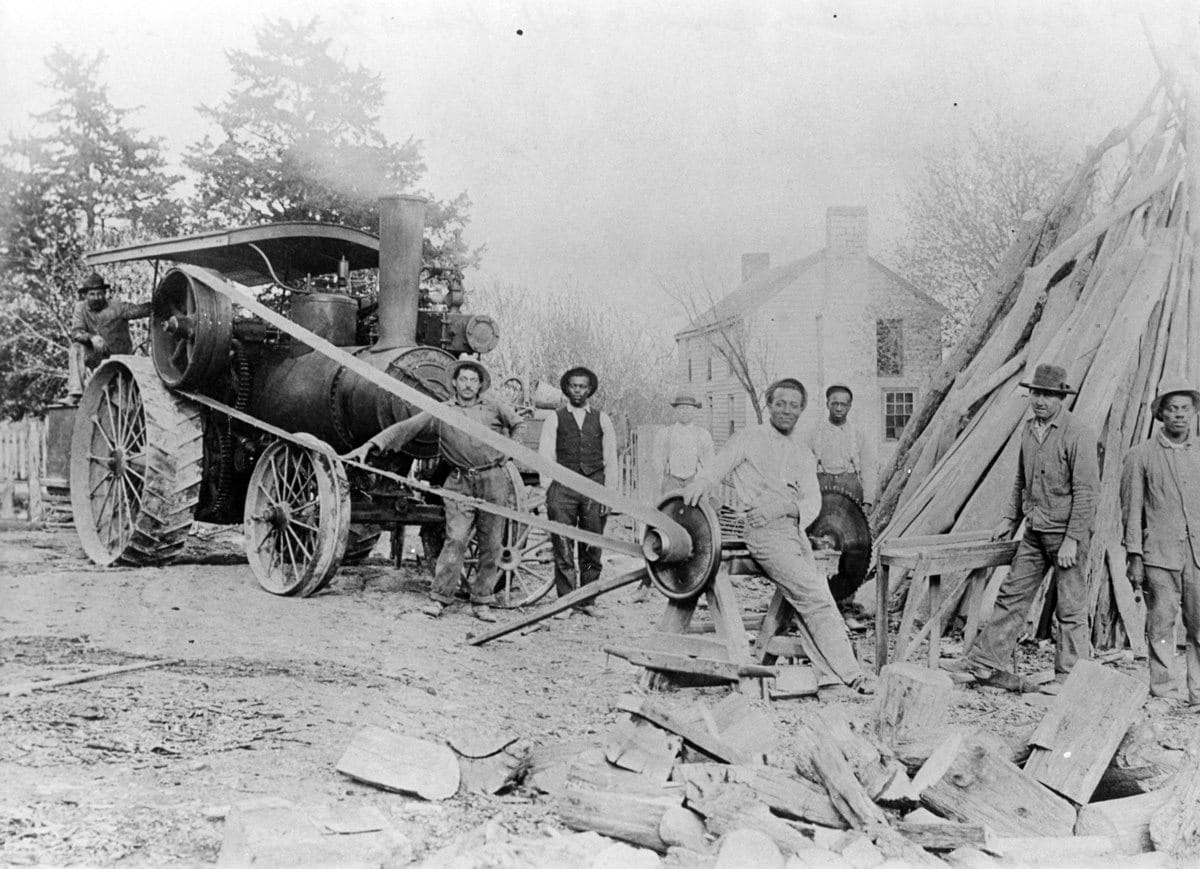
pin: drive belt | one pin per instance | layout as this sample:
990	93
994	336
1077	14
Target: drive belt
309	442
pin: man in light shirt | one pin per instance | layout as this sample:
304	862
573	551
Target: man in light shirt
845	455
775	475
686	447
581	438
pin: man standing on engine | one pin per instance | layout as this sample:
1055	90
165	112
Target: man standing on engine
582	439
99	329
476	470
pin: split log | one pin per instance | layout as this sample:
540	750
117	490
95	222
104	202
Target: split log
735	807
870	768
918	749
944	835
1077	739
683	828
825	759
911	700
967	781
743	726
640	747
1126	821
1175	826
693	734
401	763
618	815
549	764
590	771
1142	763
787	796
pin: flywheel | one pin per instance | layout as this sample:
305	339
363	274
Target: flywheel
842	526
136	462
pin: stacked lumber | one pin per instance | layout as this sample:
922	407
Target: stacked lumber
1099	284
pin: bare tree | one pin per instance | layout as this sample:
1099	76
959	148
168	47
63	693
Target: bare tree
963	207
735	335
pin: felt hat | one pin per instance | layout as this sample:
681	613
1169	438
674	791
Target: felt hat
1173	386
682	398
577	371
787	383
839	387
485	379
92	282
1050	378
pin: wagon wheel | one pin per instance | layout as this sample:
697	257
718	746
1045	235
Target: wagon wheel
297	519
136	453
526	558
190	331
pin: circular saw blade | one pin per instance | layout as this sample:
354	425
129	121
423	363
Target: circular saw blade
843	526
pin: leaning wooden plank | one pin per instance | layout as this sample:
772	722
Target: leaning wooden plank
1126	820
1175	826
911	700
640	747
787	795
42	684
618	815
591	591
1077	739
730	671
693	734
966	780
833	771
401	763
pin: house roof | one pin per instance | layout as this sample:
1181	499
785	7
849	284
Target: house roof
767	283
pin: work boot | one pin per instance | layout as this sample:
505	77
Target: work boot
483	612
434	609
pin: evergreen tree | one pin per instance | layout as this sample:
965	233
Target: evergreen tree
85	180
301	141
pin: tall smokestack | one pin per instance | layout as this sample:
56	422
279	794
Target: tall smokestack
401	238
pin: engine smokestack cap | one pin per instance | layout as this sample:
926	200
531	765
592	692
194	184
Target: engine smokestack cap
579	370
485	379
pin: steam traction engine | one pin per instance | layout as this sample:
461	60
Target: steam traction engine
193	432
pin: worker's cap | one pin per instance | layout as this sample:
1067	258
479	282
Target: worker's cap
580	371
92	282
788	383
1050	378
839	387
683	398
485	379
1174	386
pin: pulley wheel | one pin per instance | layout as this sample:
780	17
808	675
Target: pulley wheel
191	327
683	580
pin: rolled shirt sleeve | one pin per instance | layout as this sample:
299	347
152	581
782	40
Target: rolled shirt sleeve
1085	483
1132	504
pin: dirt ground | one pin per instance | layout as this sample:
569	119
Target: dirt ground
138	769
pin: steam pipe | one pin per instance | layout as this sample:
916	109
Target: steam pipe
401	239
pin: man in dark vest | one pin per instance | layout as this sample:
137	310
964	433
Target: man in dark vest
580	438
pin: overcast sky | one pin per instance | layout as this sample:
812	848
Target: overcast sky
603	143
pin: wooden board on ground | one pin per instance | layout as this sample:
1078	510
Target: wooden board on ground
743	726
944	835
966	780
401	763
1077	739
618	815
1126	820
787	795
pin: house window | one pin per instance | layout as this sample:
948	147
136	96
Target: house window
898	406
732	410
889	347
709	368
689	369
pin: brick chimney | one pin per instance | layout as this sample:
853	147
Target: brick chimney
846	231
753	263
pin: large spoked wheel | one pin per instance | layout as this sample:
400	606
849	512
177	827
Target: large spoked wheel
190	331
526	563
136	453
297	519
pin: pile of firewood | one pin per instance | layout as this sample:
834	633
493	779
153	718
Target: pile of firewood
709	787
1109	298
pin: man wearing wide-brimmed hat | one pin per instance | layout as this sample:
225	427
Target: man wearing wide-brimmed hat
1055	493
99	329
685	447
581	438
476	470
1160	505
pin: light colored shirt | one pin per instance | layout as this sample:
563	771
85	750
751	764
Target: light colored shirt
846	449
686	450
1160	501
763	463
549	438
456	446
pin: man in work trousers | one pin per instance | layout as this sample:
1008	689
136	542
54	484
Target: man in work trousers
845	455
582	439
1160	504
99	328
1055	491
775	474
476	470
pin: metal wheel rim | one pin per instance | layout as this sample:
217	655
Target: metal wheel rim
190	359
296	519
113	445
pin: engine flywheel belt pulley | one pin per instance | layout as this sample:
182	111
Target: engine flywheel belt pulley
683	580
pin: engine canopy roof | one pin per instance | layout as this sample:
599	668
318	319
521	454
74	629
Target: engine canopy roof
295	249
